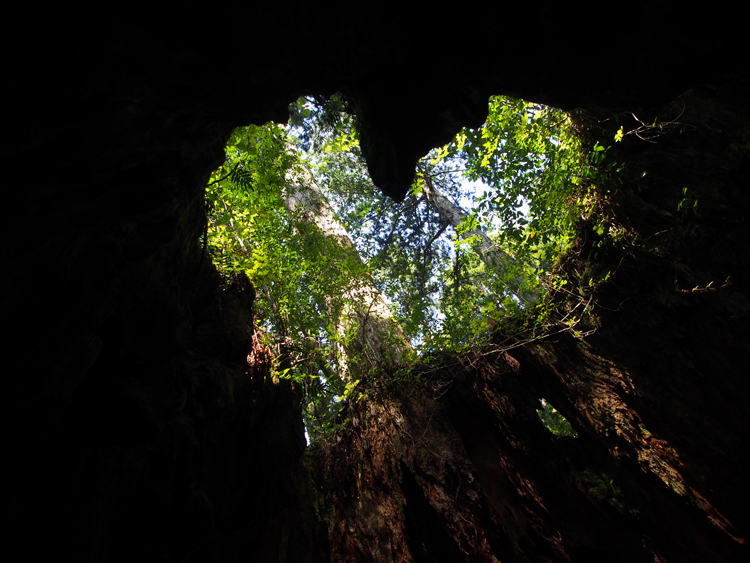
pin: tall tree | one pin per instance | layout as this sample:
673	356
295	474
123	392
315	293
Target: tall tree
467	228
368	334
322	290
317	302
529	160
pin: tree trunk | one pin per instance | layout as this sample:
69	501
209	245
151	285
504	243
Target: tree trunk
139	431
491	255
460	468
369	335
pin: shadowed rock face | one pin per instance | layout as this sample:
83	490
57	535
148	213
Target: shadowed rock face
144	425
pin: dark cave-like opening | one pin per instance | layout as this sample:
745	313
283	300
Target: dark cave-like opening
140	431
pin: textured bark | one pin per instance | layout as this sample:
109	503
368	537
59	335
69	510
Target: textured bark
460	468
138	429
378	340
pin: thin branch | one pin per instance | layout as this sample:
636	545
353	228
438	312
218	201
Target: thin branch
227	175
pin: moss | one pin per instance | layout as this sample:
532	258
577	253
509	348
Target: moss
602	488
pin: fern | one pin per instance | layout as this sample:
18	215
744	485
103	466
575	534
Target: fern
242	178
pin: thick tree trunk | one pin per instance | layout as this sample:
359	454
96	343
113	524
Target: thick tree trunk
460	468
143	423
365	323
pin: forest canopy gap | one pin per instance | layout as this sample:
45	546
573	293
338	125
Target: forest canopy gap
348	281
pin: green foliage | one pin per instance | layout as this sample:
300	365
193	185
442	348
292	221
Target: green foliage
317	120
605	489
445	294
554	421
529	156
447	291
397	241
688	203
253	230
307	280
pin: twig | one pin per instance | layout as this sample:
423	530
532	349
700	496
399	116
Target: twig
227	175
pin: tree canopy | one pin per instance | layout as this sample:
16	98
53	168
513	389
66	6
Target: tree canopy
329	254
